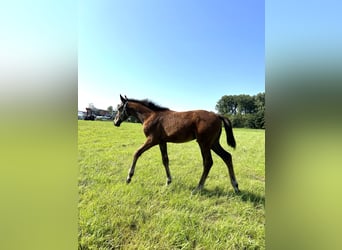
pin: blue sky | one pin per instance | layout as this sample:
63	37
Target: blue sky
181	54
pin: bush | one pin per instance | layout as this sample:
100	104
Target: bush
238	121
255	120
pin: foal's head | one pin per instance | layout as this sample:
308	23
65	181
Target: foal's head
122	113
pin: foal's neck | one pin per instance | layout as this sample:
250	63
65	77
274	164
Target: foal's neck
142	112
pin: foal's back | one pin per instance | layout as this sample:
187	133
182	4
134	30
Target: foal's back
186	126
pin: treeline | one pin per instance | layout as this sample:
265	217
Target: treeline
244	111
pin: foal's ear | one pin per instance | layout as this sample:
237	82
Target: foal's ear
123	99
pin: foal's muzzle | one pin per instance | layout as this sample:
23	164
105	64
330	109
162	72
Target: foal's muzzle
117	122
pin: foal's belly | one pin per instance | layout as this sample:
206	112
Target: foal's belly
179	135
180	139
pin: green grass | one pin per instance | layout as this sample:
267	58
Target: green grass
147	214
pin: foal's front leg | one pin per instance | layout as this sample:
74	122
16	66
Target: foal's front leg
165	158
148	144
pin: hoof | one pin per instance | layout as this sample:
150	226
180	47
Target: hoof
237	190
196	190
168	182
235	186
128	180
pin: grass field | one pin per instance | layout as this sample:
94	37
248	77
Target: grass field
147	214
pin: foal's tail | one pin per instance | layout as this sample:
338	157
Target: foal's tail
229	131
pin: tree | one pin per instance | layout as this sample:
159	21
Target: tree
260	114
246	104
110	109
244	110
259	100
227	105
92	106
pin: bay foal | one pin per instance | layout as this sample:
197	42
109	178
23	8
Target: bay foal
162	125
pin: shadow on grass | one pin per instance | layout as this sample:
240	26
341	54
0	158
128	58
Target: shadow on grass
244	195
248	196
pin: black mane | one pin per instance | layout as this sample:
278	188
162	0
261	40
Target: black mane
149	104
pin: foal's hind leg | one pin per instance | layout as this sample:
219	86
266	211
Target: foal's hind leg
163	150
207	164
227	158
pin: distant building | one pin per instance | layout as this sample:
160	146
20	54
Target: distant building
92	113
